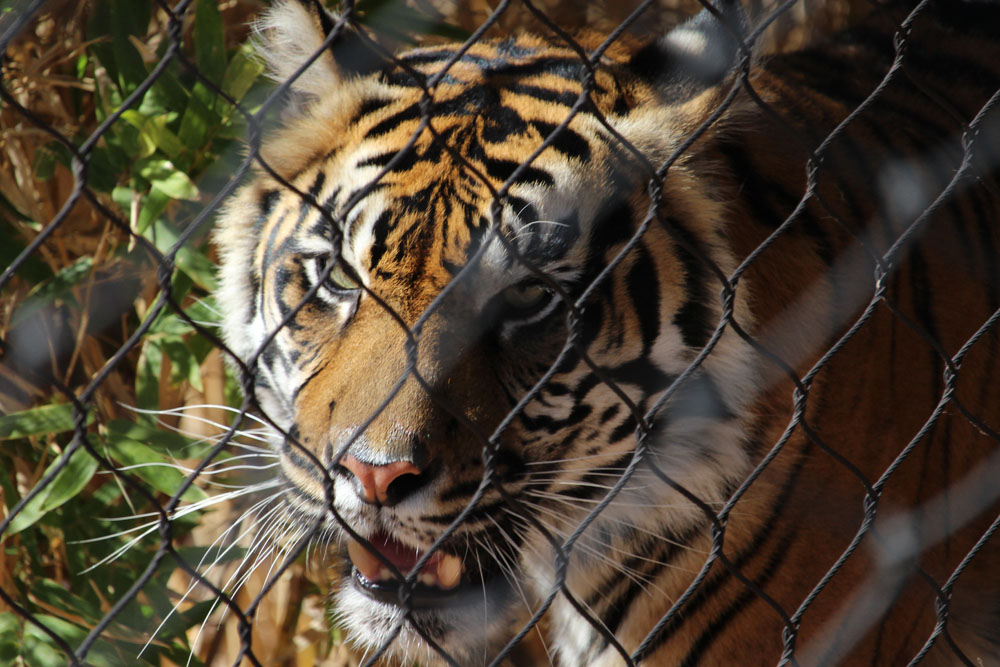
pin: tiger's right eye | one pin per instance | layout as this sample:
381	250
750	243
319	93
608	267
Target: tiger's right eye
526	296
525	302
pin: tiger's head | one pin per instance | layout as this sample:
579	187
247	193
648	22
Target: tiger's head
471	311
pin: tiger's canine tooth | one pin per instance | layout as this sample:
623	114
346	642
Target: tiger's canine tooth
365	561
449	571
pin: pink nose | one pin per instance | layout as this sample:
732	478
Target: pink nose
375	480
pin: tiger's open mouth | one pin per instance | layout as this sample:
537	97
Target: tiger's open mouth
439	582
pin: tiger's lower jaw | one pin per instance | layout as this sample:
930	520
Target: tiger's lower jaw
456	607
467	623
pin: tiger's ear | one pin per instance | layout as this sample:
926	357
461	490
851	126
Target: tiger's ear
292	31
700	53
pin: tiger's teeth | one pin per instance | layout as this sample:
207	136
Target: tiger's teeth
449	571
366	563
442	572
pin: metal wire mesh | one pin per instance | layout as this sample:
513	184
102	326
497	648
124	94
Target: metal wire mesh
87	415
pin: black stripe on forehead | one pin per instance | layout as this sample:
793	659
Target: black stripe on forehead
498	123
540	242
510	60
564	97
380	232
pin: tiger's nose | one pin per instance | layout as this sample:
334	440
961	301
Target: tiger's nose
383	484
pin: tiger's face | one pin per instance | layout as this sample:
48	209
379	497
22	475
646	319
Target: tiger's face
465	339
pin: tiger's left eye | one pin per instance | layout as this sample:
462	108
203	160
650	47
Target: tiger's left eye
526	297
339	279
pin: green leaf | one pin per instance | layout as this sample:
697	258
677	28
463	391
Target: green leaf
8	650
38	653
61	283
197	120
133	143
134	118
104	168
43	420
7	484
176	185
209	44
57	596
155	471
10	631
126	15
153	205
97	35
66	484
107	493
170	324
147	379
82	62
166	94
180	287
184	364
64	280
101	653
122	196
9	624
165	139
168	179
173	325
243	70
153	132
204	312
191	261
158	438
138	14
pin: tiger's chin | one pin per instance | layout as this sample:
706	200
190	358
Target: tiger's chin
452	607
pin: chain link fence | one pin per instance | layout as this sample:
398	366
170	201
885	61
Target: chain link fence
145	519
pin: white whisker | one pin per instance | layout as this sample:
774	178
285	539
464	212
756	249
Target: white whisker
586	457
188	471
259	434
509	568
219	555
199	406
180	511
260	540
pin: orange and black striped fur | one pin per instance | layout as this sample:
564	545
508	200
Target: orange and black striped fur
766	333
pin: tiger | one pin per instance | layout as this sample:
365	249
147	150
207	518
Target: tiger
681	352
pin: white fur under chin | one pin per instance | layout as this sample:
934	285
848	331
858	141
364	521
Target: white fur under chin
470	634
